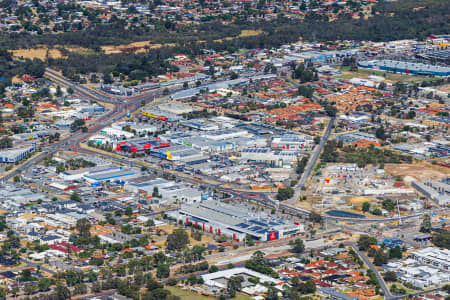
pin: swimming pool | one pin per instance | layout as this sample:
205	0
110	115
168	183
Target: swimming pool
344	214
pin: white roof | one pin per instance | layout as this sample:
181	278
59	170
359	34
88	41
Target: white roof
210	279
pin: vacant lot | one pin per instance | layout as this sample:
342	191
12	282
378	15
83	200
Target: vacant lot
40	53
418	171
390	77
245	33
80	50
188	295
135	47
168	228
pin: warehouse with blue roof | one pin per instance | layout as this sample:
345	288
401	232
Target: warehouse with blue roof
236	221
405	67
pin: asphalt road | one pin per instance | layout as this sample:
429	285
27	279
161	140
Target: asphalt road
121	107
311	163
384	288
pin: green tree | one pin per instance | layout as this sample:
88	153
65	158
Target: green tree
15	290
365	241
75	197
272	294
388	204
213	269
366	207
380	133
380	258
308	287
376	211
60	168
442	239
234	284
155	192
25	276
298	246
31	288
44	284
83	227
426	224
285	193
390	276
62	292
163	271
395	252
177	240
128	211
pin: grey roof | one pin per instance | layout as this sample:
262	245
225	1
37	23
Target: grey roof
335	294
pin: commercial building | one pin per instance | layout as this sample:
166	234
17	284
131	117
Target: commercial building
236	222
439	258
112	174
180	153
200	125
157	113
225	134
290	142
100	173
115	133
169	191
140	145
440	149
405	67
17	154
273	158
436	190
175	108
219	280
350	138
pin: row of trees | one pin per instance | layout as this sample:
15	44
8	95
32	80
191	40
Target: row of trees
361	157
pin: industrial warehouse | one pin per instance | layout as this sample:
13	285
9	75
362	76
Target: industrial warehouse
405	67
15	155
237	222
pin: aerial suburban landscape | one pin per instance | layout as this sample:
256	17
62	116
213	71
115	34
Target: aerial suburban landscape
225	149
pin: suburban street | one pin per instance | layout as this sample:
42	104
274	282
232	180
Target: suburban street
311	163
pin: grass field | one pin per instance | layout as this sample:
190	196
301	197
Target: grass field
248	32
40	53
80	50
244	33
138	47
168	228
363	73
188	295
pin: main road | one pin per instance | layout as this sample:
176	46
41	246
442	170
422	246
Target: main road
119	110
368	263
310	165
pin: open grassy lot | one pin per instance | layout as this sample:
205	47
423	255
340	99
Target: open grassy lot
364	73
40	53
188	295
249	32
136	47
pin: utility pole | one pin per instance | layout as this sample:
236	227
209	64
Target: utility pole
398	212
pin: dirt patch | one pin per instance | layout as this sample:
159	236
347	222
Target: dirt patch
359	200
80	50
248	32
40	53
445	88
244	33
420	171
135	47
168	228
16	80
